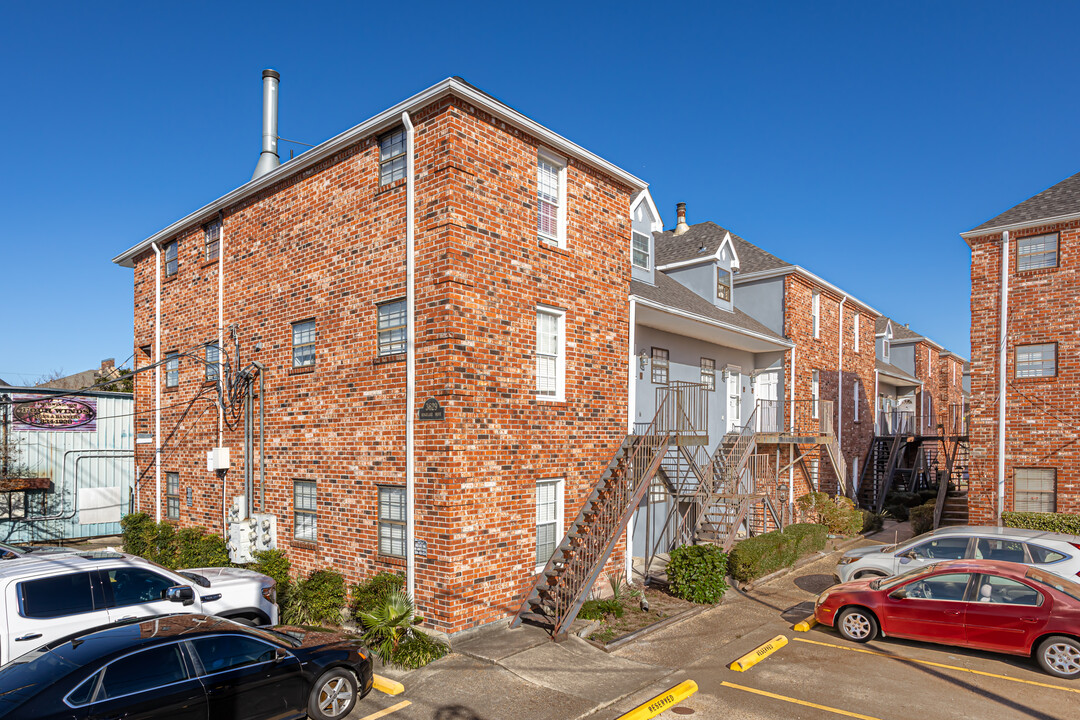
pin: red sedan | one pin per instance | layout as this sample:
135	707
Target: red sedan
988	605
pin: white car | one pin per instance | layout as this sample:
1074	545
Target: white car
1053	552
45	597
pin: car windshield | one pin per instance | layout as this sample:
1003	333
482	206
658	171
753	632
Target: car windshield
908	544
889	583
1058	583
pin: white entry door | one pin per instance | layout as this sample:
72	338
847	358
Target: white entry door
734	414
766	393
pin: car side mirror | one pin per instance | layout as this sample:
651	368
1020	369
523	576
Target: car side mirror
181	594
899	594
280	654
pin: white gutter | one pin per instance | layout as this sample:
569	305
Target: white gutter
840	385
1020	225
799	270
781	343
157	382
410	358
382	121
1003	352
631	415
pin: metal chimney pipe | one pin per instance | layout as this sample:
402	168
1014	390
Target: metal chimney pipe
268	159
680	212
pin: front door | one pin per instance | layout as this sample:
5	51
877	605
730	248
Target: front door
931	609
766	392
734	414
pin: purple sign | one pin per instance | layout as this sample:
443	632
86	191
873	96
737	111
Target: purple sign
46	412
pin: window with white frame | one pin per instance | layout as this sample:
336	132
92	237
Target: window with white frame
708	373
172	260
551	199
549	512
1034	489
304	510
856	321
212	358
1036	360
392	330
885	347
855	395
392	156
815	312
550	353
303	344
641	254
1037	251
815	465
392	520
172	369
660	366
212	239
815	394
723	284
172	495
855	472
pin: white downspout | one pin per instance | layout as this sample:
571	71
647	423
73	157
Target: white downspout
791	448
840	384
631	416
410	359
157	382
221	326
877	409
1003	351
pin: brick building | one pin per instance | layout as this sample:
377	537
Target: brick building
522	246
1040	241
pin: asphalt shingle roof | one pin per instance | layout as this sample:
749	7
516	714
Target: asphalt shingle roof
890	369
900	332
703	240
1060	199
674	294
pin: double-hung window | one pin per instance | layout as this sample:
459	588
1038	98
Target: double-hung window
855	394
172	369
392	520
303	344
212	358
641	254
550	353
551	199
212	239
708	373
172	261
549	507
1034	489
172	495
392	328
815	312
1036	360
815	394
723	284
660	366
1037	251
392	156
304	511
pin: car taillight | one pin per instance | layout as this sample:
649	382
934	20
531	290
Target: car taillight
1075	545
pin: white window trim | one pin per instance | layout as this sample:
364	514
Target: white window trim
560	487
885	347
856	396
815	312
560	162
560	358
648	251
815	394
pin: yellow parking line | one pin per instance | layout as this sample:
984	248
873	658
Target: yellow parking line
798	702
940	665
387	711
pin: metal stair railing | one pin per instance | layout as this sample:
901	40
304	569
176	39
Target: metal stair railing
890	470
731	465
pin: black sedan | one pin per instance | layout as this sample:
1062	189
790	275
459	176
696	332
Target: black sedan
187	667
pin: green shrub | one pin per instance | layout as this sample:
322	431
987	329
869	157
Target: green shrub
137	530
316	600
371	593
419	649
900	513
872	522
1049	522
391	631
198	548
172	548
275	564
922	518
696	573
758	556
839	513
899	497
599	609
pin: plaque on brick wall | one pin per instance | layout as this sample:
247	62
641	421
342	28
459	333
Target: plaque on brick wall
432	410
420	548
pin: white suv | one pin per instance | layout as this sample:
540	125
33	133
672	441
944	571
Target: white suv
45	597
1053	552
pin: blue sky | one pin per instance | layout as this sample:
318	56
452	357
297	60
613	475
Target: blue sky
857	139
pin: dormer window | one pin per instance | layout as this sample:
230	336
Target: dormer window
885	347
723	284
641	251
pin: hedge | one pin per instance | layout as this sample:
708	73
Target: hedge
696	573
758	556
163	544
922	518
1049	522
839	513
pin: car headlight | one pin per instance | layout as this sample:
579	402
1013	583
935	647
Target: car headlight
822	598
846	560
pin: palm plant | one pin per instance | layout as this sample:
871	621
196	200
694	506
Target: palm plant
391	631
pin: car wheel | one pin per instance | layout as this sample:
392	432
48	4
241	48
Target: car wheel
333	695
1059	656
857	624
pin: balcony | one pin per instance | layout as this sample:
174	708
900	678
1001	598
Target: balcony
813	421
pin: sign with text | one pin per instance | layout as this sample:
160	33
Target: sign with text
46	412
432	410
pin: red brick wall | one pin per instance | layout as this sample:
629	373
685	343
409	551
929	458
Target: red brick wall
1042	424
822	354
329	244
